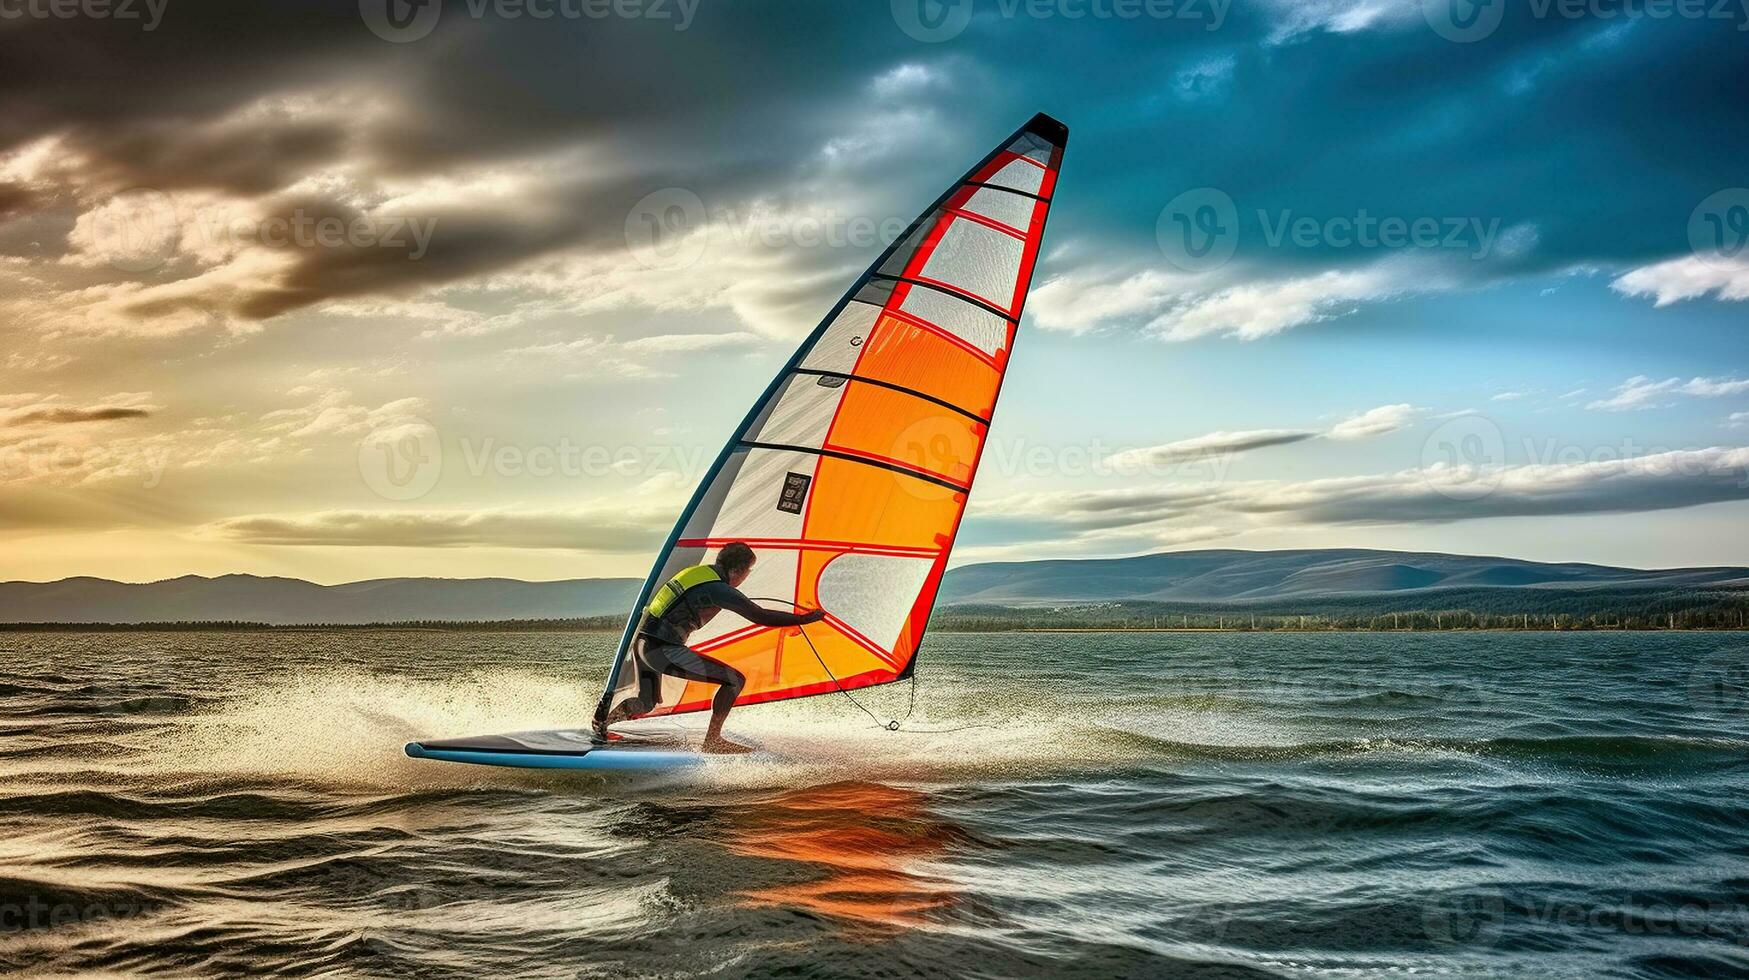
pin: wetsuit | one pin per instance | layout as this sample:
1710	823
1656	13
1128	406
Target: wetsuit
660	646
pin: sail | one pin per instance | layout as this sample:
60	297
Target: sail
850	475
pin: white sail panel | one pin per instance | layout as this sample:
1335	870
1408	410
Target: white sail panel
978	260
973	324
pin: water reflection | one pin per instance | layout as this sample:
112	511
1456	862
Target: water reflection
864	847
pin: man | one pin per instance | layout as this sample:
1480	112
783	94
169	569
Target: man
690	599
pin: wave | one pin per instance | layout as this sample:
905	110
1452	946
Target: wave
1644	750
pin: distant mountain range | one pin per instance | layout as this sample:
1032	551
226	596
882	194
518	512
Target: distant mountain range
1282	578
1278	581
285	601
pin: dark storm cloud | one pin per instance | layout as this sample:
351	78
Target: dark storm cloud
1531	127
250	99
1435	495
12	198
66	416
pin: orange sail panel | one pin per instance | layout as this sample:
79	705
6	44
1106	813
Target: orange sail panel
850	475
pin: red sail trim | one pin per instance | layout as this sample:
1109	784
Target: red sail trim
990	223
885	656
718	642
806	544
947	335
913	468
866	679
1023	282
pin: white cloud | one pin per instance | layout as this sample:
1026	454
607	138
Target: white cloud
1297	17
1642	392
1178	306
1262	309
333	413
686	342
1688	277
1375	422
1082	301
605	357
1210	446
907	79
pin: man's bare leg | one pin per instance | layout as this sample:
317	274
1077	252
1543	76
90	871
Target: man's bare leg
720	705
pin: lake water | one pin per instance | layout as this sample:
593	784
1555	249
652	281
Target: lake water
1174	805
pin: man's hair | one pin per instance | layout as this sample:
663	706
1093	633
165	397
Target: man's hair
735	557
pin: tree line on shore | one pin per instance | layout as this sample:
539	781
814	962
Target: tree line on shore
1717	611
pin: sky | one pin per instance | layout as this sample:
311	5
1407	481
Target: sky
347	290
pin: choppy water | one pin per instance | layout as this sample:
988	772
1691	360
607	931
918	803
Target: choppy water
1186	805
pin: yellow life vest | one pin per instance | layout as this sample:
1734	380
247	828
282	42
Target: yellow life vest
671	591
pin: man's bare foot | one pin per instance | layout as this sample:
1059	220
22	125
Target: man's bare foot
719	745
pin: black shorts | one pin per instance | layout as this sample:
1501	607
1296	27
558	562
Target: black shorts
657	657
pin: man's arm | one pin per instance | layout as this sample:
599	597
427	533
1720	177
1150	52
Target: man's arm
728	597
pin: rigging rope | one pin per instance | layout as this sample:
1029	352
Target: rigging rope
891	725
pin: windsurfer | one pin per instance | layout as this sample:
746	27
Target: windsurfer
686	602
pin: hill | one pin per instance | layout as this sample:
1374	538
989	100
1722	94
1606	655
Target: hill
1345	583
1305	577
284	601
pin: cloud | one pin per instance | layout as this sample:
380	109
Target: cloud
1295	18
1213	445
138	207
48	453
1686	278
1642	392
907	79
1375	422
1441	494
605	357
68	415
1180	307
1084	300
1431	495
1218	445
332	412
613	528
1047	514
1262	309
693	342
1204	79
